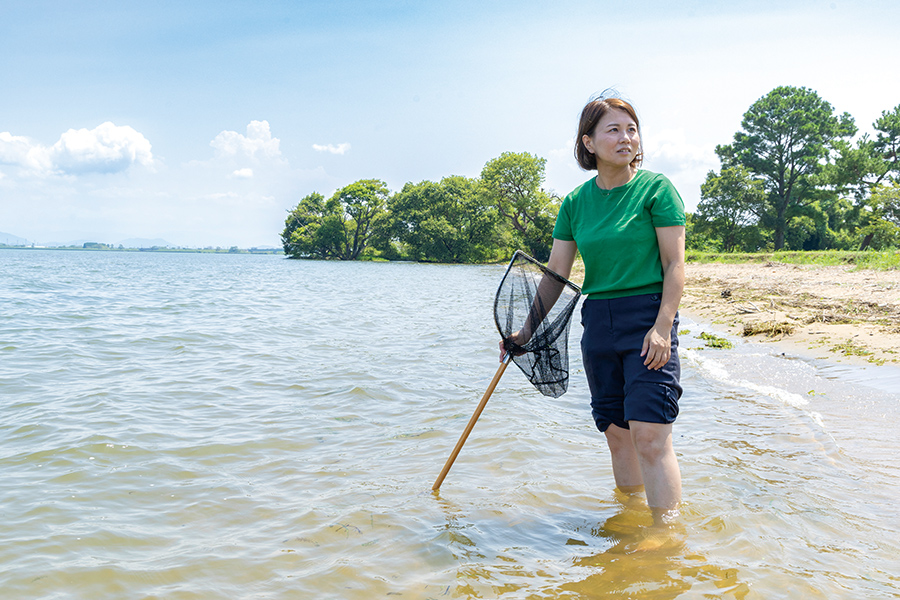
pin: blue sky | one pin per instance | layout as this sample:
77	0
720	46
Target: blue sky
204	122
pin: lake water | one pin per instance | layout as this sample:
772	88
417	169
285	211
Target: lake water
187	426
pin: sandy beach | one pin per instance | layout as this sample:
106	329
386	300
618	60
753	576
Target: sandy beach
835	313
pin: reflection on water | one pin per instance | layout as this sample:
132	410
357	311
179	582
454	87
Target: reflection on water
208	426
623	556
647	561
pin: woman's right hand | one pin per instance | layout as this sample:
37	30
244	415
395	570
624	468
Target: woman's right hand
517	338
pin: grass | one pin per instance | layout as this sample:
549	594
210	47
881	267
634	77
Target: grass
851	348
714	341
881	260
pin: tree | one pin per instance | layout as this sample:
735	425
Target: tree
730	206
835	220
871	162
881	221
364	212
788	135
340	227
512	182
300	237
698	239
886	199
887	144
445	222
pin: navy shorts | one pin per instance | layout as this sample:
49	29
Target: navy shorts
622	388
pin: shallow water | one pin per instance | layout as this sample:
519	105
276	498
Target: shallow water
235	426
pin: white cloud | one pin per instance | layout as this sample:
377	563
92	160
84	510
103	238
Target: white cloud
18	150
670	152
245	173
107	148
258	141
332	148
686	164
562	170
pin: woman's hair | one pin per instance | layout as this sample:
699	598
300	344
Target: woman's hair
590	116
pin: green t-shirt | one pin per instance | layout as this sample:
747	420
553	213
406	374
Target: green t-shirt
615	233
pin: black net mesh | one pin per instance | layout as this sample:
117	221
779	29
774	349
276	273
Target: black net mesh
532	310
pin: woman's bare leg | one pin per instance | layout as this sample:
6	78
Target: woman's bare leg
625	461
658	464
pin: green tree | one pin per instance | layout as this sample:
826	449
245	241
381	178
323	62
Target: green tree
341	227
854	171
301	228
787	137
730	207
364	213
447	221
887	144
836	222
862	168
512	183
880	222
886	198
870	162
698	239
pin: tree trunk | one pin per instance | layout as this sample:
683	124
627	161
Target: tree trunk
866	241
780	224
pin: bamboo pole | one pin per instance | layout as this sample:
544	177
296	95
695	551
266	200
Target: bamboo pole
472	421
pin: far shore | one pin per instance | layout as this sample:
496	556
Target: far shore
170	249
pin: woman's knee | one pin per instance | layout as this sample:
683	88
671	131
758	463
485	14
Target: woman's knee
618	439
652	441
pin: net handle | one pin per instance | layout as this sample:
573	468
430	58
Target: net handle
472	421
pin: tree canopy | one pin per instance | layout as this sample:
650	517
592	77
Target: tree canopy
731	204
513	181
819	183
449	221
787	136
341	227
455	220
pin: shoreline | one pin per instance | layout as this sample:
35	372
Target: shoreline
829	313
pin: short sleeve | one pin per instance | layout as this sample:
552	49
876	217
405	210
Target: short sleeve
562	230
666	205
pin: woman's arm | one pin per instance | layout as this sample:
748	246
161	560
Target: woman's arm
657	347
562	257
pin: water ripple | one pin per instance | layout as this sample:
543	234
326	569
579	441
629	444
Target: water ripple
188	425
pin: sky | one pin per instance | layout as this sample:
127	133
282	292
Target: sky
202	123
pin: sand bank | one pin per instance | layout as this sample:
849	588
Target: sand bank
834	313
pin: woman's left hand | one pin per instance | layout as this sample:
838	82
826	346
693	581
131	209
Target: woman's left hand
657	349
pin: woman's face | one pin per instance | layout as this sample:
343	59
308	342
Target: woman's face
615	140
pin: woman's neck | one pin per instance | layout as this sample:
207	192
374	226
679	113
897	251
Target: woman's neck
613	177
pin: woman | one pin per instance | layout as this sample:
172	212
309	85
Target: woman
628	225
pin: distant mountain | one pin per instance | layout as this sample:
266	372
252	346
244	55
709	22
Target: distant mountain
144	243
12	240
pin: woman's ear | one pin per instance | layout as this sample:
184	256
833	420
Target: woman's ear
588	143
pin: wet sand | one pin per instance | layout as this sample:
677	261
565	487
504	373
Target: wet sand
834	313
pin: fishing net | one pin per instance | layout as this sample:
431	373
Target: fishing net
537	304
